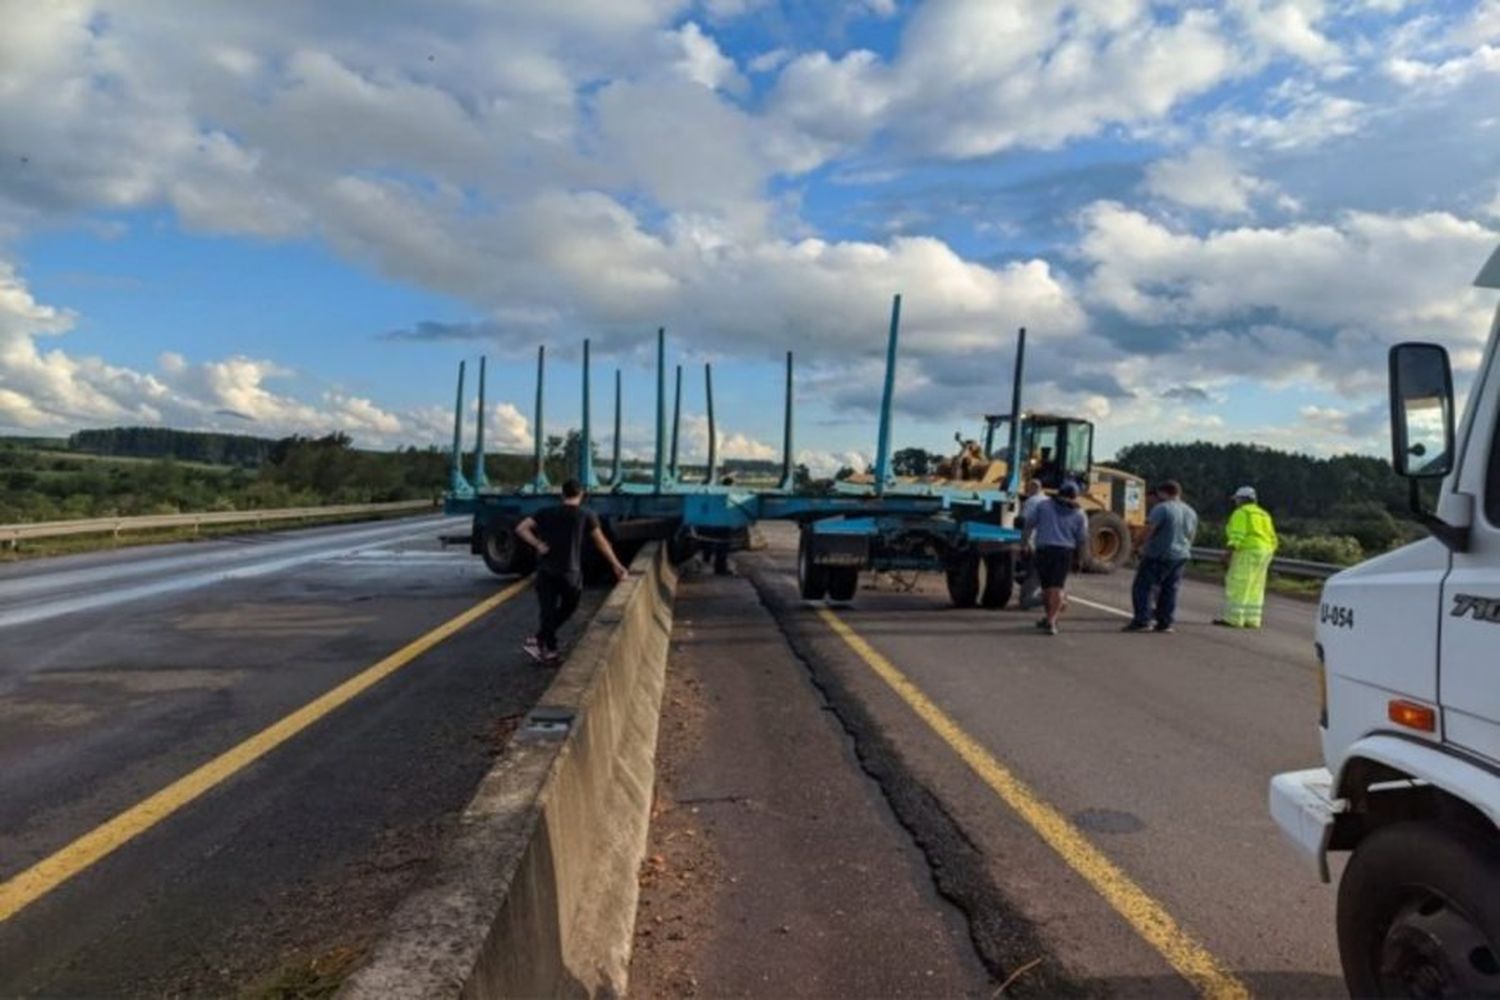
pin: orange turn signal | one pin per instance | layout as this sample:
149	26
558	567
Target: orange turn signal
1412	715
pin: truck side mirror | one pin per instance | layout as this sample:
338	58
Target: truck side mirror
1421	411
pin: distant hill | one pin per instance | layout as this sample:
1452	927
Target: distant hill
210	447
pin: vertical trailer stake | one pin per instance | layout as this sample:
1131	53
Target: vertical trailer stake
659	460
883	447
676	426
788	463
481	479
539	482
586	439
713	435
1013	472
614	476
456	481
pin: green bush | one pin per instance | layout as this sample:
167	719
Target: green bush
1341	550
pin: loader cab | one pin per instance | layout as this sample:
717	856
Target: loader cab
1053	449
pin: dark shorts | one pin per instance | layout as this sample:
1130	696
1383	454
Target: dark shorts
1052	563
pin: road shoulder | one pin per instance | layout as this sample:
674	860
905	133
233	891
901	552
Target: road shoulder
775	866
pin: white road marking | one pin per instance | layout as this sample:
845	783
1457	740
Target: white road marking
1101	607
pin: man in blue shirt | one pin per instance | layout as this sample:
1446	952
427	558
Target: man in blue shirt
1170	530
1057	529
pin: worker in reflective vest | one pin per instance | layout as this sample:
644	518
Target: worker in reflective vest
1250	537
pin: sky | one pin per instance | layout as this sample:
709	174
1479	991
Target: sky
281	217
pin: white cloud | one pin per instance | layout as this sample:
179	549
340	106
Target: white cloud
1205	178
771	61
974	77
825	464
1309	301
51	390
701	61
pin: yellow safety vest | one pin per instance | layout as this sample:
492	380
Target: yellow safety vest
1250	529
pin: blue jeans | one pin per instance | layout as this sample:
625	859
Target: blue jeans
1156	574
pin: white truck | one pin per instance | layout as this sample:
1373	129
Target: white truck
1408	648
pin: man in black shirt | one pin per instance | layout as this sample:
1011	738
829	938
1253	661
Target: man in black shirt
557	535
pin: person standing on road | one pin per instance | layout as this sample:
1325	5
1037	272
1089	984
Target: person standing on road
1170	530
557	535
1250	537
1059	530
1031	589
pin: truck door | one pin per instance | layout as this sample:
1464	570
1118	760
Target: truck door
1469	665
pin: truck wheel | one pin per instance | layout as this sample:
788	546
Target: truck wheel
812	580
1109	542
1419	913
721	559
963	580
999	579
504	553
843	583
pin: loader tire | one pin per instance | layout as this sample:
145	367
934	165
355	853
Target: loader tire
964	573
812	580
1109	542
999	579
843	583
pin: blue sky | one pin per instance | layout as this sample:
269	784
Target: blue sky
1214	218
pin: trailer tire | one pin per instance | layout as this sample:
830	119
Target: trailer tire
680	548
812	579
1109	542
964	572
843	583
721	559
1419	913
504	553
999	579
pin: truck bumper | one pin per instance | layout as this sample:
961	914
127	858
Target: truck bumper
1302	804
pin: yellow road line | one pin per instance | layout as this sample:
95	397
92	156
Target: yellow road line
1148	918
47	874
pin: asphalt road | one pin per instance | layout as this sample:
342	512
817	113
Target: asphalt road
121	673
1156	748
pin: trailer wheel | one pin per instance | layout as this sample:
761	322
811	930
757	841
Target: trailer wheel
721	559
1419	913
812	579
999	579
504	553
1109	542
843	583
964	574
680	548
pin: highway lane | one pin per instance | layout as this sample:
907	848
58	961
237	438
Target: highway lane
181	653
1156	748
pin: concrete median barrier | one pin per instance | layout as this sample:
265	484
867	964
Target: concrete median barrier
536	895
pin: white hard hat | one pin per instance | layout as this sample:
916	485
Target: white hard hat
1245	493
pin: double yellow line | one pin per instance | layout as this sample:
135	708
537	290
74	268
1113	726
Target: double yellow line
41	878
1145	915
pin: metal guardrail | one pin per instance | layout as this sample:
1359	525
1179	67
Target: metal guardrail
1286	567
12	535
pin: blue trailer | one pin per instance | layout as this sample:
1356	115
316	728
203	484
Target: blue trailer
964	530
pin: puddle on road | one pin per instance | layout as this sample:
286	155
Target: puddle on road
1108	821
147	680
275	620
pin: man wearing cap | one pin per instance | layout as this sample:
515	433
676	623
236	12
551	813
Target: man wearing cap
1250	537
1058	529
